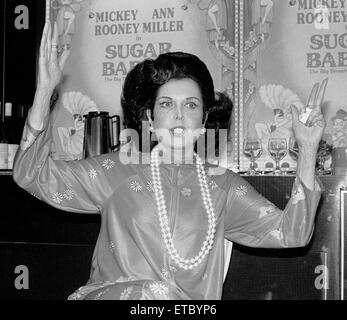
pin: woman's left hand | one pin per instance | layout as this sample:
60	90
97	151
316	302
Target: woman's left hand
308	135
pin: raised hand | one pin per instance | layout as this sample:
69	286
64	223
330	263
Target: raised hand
309	134
51	62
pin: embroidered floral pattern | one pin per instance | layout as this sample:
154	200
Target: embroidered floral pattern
213	184
241	191
78	294
149	186
92	174
143	296
82	291
126	293
186	192
101	293
159	288
135	186
75	296
111	246
57	197
277	234
68	194
125	279
264	211
108	164
165	273
298	195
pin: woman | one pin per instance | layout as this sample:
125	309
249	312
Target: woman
163	224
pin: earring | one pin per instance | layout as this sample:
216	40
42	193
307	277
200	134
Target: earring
151	128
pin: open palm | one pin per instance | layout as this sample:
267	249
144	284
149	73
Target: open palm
51	63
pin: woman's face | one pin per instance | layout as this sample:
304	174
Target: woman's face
178	113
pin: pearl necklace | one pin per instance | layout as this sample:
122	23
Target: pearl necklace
164	220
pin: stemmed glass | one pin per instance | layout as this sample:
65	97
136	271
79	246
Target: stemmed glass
277	149
252	148
293	149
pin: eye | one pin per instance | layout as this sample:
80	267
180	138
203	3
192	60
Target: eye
191	105
165	104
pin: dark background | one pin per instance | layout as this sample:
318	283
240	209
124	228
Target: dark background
57	246
19	52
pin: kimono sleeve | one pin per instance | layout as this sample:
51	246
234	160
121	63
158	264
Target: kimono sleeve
66	185
253	221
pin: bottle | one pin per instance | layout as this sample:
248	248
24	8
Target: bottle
11	135
3	147
19	116
9	132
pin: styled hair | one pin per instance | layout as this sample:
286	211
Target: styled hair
143	82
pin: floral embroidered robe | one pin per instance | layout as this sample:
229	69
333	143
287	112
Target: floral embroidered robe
130	260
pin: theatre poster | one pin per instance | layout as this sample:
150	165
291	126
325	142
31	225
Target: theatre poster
265	54
287	47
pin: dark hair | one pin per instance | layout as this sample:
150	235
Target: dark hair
143	81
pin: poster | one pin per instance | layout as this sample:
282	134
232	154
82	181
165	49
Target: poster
297	43
107	38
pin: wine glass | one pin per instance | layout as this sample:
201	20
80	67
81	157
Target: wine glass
277	148
323	153
252	148
293	149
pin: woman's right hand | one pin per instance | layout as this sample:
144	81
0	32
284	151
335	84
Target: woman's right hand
51	63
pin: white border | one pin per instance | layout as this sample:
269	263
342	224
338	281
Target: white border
343	193
236	86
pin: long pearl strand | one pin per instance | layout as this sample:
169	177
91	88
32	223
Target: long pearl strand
164	220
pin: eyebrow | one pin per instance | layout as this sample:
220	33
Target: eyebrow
164	97
193	98
188	98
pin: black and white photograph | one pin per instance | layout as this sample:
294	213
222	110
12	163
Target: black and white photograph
173	150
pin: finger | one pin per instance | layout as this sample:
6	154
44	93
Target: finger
43	41
321	92
312	97
49	41
55	33
64	56
55	42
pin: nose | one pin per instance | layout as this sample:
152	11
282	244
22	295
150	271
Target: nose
179	113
